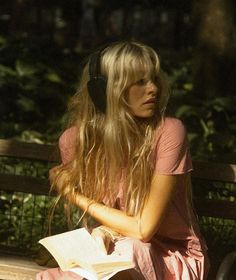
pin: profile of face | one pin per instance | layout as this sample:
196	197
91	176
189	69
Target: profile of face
132	78
142	98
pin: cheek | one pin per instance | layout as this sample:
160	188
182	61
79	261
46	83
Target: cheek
132	100
134	96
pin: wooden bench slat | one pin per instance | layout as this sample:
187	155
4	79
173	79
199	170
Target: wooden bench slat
216	208
214	171
18	267
25	184
17	149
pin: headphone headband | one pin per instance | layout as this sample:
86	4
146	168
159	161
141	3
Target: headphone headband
94	65
97	82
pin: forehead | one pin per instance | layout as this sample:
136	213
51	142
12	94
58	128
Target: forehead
141	67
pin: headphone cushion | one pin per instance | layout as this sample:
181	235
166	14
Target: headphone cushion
97	91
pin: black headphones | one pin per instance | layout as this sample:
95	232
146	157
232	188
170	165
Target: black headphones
97	83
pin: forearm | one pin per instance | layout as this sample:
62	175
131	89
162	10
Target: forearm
143	225
115	219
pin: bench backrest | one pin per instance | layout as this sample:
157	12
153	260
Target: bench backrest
49	154
44	153
218	173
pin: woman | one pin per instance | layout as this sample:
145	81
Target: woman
128	166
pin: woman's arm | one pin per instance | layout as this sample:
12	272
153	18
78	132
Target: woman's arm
144	225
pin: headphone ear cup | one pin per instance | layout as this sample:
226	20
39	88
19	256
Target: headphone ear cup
97	91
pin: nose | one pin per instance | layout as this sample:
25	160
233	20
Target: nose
151	88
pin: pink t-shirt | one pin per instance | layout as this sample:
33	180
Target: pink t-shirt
172	157
177	250
172	150
67	144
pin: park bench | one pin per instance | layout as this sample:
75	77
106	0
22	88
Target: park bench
214	200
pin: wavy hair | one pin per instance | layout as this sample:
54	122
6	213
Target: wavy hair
115	148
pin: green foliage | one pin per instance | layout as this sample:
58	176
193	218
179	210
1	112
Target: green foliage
211	128
210	123
34	87
22	215
23	218
220	236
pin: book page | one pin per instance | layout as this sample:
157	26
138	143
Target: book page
73	247
90	276
77	249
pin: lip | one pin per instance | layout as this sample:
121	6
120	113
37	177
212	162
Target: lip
150	101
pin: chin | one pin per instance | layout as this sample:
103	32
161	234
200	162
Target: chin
146	115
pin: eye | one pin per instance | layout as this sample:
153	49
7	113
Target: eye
141	82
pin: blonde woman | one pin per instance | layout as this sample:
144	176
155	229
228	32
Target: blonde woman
128	166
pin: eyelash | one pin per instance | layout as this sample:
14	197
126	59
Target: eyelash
143	82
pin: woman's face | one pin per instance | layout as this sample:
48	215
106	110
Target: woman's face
142	98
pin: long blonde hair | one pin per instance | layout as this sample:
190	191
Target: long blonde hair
115	146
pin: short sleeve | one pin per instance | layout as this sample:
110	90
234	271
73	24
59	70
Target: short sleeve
67	144
172	149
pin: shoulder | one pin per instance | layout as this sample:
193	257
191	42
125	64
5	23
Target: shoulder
68	138
171	137
67	143
172	149
171	128
172	123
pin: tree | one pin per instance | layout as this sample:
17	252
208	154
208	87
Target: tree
215	48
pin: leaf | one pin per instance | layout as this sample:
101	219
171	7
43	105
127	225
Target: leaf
6	71
31	136
188	86
221	103
186	110
52	76
25	69
26	104
7	75
192	136
3	41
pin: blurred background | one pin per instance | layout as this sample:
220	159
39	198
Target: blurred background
44	43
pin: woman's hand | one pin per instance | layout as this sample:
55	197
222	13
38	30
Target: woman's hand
102	238
58	179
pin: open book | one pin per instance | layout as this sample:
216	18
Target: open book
77	251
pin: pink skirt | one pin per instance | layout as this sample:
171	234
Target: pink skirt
153	261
